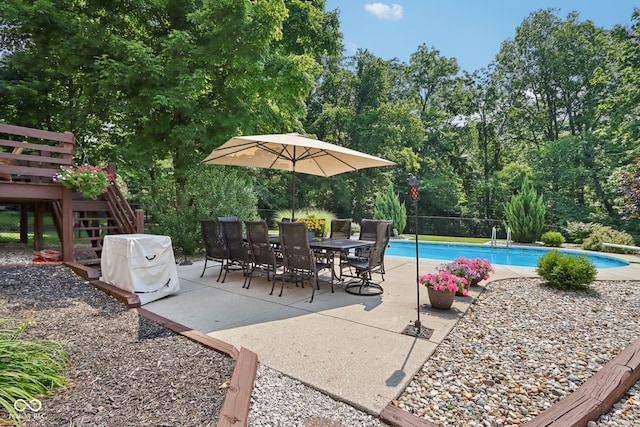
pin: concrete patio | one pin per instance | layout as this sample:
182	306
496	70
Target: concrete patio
348	346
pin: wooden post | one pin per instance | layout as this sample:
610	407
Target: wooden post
24	223
139	221
38	226
67	225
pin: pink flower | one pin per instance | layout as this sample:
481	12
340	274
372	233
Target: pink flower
444	281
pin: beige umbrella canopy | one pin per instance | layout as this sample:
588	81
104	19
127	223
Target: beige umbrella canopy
292	152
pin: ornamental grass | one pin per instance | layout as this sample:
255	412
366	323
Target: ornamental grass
28	369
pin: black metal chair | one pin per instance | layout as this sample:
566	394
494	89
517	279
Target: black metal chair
261	252
340	229
365	267
237	249
214	247
369	231
298	257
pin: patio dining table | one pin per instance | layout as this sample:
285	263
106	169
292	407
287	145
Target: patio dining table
331	247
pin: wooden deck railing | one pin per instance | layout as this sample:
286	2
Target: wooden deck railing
33	156
29	159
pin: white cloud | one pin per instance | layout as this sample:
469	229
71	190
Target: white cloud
384	11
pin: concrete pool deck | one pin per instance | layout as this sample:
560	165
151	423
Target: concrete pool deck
348	346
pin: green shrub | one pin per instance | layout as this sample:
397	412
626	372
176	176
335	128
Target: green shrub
30	369
552	238
524	214
578	231
388	206
209	192
567	272
605	234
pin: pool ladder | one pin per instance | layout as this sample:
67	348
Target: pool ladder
493	236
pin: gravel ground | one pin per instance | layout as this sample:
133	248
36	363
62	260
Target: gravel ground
521	348
512	355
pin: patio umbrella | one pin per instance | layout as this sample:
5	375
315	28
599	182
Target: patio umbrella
292	152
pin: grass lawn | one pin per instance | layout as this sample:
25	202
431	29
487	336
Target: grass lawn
10	228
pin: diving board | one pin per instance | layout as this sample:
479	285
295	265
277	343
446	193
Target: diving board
615	245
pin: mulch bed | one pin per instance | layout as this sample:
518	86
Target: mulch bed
124	369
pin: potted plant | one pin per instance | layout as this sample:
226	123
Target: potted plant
90	181
481	268
315	225
442	287
461	268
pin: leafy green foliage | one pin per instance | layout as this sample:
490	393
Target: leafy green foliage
560	104
524	213
629	185
28	369
578	231
552	238
388	206
211	191
605	234
566	272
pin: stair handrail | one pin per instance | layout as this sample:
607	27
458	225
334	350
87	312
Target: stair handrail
122	213
128	220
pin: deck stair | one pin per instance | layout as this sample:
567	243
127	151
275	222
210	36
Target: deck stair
94	219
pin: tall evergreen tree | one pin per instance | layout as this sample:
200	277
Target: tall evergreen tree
524	214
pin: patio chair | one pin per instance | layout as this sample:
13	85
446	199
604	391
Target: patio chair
368	231
261	252
237	249
373	263
340	229
214	247
298	258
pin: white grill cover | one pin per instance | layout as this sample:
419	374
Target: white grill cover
140	263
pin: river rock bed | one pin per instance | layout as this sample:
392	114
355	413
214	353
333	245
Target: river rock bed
521	348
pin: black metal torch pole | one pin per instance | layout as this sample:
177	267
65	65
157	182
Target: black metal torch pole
415	196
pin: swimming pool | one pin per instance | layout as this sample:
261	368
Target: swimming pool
517	256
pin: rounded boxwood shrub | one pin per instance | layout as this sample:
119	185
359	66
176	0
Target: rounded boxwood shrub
605	234
565	271
552	238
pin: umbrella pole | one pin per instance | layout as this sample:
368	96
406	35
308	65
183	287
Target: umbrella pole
293	194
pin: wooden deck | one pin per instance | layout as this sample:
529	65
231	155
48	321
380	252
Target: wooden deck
29	161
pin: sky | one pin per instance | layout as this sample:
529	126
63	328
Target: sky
469	30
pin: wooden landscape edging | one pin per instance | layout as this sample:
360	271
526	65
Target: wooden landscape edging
597	395
399	417
192	334
235	409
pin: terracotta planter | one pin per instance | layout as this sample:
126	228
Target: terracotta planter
475	282
441	299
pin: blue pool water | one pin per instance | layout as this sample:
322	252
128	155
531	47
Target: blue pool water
518	256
